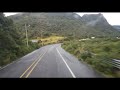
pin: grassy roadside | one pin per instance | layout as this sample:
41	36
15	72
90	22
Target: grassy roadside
49	40
13	55
95	52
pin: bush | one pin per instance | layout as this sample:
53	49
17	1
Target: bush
77	52
86	55
106	48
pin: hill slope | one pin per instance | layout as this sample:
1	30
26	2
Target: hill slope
99	22
10	42
117	27
68	24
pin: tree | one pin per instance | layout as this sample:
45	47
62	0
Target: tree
9	40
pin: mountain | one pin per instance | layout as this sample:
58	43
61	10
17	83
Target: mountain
95	20
68	24
99	22
117	27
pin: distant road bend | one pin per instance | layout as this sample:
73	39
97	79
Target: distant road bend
50	61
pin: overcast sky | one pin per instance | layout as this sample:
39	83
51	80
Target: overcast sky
112	18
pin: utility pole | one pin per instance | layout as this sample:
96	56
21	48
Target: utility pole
41	38
26	35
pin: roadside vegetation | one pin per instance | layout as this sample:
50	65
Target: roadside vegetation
13	43
12	46
54	28
53	39
96	52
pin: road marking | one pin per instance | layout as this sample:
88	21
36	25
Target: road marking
35	65
29	67
66	64
16	61
7	65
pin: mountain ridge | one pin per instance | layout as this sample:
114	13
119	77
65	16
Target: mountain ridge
69	24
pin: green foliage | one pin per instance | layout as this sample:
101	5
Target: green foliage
46	34
107	49
86	55
11	44
96	52
61	24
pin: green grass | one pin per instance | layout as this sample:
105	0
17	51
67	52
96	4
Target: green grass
95	52
50	40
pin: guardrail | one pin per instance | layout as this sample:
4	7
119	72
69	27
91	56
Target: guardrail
114	62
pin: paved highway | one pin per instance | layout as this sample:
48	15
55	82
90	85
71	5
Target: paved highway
50	61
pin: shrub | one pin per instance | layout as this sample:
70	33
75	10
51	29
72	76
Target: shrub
106	48
86	55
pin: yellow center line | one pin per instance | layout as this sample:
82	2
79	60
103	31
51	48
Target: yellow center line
29	67
35	65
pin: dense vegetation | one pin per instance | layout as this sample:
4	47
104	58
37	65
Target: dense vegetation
50	40
12	45
65	24
95	52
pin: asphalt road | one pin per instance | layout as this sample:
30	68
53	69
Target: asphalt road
50	61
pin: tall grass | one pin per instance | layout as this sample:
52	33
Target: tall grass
95	52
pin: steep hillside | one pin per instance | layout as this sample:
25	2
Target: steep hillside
10	41
99	22
12	46
117	27
68	24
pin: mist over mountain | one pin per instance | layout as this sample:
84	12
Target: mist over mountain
99	22
95	19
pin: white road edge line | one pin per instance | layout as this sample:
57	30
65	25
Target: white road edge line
66	64
37	63
7	65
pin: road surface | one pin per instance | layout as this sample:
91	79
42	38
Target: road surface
50	61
